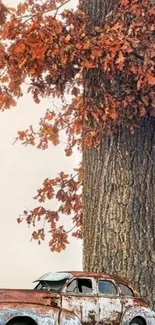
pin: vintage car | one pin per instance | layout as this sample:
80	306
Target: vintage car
75	298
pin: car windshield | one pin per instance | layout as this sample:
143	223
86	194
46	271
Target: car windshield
50	285
52	281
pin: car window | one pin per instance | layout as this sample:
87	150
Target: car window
126	291
80	286
72	286
106	287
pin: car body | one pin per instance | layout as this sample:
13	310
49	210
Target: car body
74	298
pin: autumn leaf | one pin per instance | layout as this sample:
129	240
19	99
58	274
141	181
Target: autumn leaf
20	48
22	135
59	240
89	64
39	211
140	82
150	79
3	13
68	151
113	115
120	61
35	235
68	38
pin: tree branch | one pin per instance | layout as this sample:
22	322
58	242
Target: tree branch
59	7
46	11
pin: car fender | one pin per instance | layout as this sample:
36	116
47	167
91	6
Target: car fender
138	311
41	315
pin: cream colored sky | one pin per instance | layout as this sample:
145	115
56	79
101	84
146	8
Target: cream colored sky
22	170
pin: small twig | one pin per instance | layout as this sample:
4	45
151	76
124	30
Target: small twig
137	55
67	232
16	139
44	223
3	73
46	11
59	7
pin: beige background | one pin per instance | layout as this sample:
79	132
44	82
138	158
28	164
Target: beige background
22	170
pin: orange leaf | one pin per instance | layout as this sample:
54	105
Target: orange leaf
67	38
140	83
104	117
20	48
120	61
133	69
88	64
150	79
113	115
22	135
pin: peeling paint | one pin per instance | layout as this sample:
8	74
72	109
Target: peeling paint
144	313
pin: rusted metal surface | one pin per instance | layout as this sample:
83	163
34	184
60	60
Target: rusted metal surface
41	315
134	312
102	275
81	301
85	307
28	296
105	276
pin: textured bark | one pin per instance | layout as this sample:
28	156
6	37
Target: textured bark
119	196
97	9
119	207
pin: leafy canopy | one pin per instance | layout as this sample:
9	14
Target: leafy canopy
56	52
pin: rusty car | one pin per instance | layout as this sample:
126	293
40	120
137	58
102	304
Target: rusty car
75	298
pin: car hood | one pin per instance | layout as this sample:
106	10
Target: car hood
41	297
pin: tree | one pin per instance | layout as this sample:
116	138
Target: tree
119	174
103	54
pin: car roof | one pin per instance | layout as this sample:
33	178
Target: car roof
99	275
62	275
107	276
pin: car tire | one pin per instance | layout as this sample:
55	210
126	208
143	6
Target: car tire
137	321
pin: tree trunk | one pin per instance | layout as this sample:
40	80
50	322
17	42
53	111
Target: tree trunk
119	207
119	196
97	9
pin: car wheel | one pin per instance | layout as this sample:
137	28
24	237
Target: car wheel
137	321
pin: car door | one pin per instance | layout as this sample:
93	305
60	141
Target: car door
80	297
110	304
